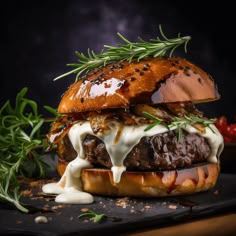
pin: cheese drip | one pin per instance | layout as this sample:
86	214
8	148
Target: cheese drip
118	145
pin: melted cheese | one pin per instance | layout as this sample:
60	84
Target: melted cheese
118	145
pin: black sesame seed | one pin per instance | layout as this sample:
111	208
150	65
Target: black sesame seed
145	68
199	80
173	64
187	68
120	66
81	100
132	79
141	73
136	70
181	67
187	74
177	62
195	72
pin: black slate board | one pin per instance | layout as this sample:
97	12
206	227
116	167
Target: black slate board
124	215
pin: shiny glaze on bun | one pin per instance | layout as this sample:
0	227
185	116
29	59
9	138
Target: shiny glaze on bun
149	81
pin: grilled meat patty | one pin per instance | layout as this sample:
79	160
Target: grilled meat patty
159	152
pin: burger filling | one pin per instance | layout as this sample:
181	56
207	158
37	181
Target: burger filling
142	138
158	152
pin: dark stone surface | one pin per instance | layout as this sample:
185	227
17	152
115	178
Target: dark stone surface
124	215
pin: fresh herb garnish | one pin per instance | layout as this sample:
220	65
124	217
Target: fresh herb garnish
155	47
92	214
179	122
152	117
21	146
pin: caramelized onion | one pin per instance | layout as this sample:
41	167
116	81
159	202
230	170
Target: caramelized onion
98	121
158	112
60	128
183	108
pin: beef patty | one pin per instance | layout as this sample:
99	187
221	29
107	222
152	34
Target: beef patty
159	152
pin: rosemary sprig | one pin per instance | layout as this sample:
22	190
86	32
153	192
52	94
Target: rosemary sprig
155	47
179	122
21	146
92	214
151	117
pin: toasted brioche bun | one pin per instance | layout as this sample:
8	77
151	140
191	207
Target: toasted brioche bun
150	81
150	184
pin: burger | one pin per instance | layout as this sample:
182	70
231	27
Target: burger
132	129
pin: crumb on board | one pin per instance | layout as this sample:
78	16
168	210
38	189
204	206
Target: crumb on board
84	209
57	207
172	207
122	202
27	193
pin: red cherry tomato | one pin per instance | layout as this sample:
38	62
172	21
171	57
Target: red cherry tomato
228	131
221	123
231	130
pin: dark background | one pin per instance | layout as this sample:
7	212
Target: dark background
42	37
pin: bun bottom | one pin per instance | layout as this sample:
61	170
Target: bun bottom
191	180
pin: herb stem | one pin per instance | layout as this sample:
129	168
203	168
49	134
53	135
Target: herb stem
21	145
178	122
17	204
126	52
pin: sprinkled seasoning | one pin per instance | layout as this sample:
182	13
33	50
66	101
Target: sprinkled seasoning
136	70
145	68
141	73
112	67
181	67
173	64
186	70
199	80
132	79
176	62
81	100
120	66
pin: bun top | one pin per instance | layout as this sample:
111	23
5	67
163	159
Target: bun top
149	81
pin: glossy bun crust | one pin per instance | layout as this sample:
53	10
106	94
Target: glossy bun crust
150	81
150	184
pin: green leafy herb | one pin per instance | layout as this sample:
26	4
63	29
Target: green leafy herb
139	50
179	122
21	146
92	214
150	116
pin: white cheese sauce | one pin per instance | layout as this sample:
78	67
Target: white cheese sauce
118	145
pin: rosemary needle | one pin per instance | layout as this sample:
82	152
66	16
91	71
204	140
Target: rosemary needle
127	52
21	146
178	122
